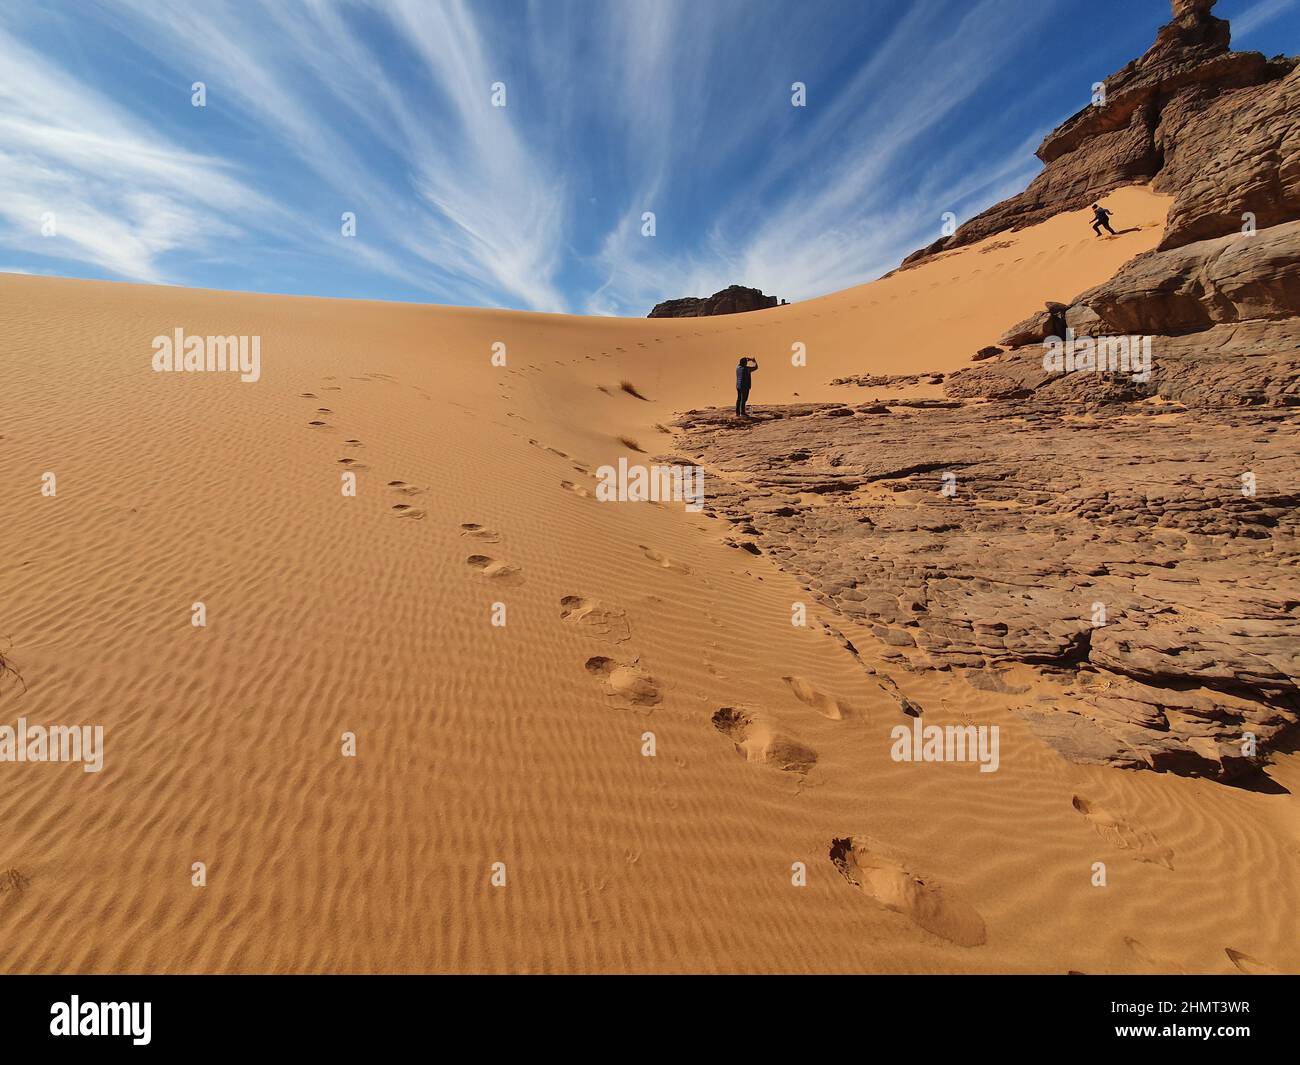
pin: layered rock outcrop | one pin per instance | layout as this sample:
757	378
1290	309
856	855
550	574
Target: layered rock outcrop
1124	522
1218	129
735	299
1118	554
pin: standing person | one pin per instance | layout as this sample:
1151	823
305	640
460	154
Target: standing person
744	368
1100	218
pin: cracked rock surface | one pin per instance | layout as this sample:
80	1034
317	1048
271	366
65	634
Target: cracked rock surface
1119	548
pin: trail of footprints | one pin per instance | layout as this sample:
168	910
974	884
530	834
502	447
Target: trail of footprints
860	860
755	738
401	508
624	681
492	569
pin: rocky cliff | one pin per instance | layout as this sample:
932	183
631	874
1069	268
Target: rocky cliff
1220	130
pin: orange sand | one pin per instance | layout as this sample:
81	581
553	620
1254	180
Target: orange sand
480	744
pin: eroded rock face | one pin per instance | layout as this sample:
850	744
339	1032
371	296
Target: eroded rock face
1238	154
736	299
1116	551
1218	129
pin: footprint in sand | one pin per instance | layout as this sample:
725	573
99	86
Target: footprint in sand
14	880
890	883
318	424
402	488
1247	964
663	561
354	443
758	742
625	681
1143	846
819	701
1150	964
547	447
405	510
476	531
576	489
595	618
495	570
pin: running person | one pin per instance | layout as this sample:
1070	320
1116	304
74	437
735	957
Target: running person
1100	218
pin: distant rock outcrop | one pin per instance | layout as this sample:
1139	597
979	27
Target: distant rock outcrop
1218	129
735	299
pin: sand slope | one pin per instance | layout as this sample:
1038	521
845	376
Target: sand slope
523	744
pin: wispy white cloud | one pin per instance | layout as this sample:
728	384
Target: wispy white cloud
1257	15
471	210
80	179
383	108
838	202
496	206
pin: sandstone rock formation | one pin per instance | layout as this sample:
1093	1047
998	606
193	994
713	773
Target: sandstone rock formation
735	299
1139	509
1218	129
1130	532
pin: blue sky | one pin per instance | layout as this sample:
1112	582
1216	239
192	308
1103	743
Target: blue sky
613	108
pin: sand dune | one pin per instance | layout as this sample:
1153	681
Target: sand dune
526	742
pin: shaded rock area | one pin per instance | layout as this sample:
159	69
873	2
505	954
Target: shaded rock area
736	299
1217	129
1116	551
